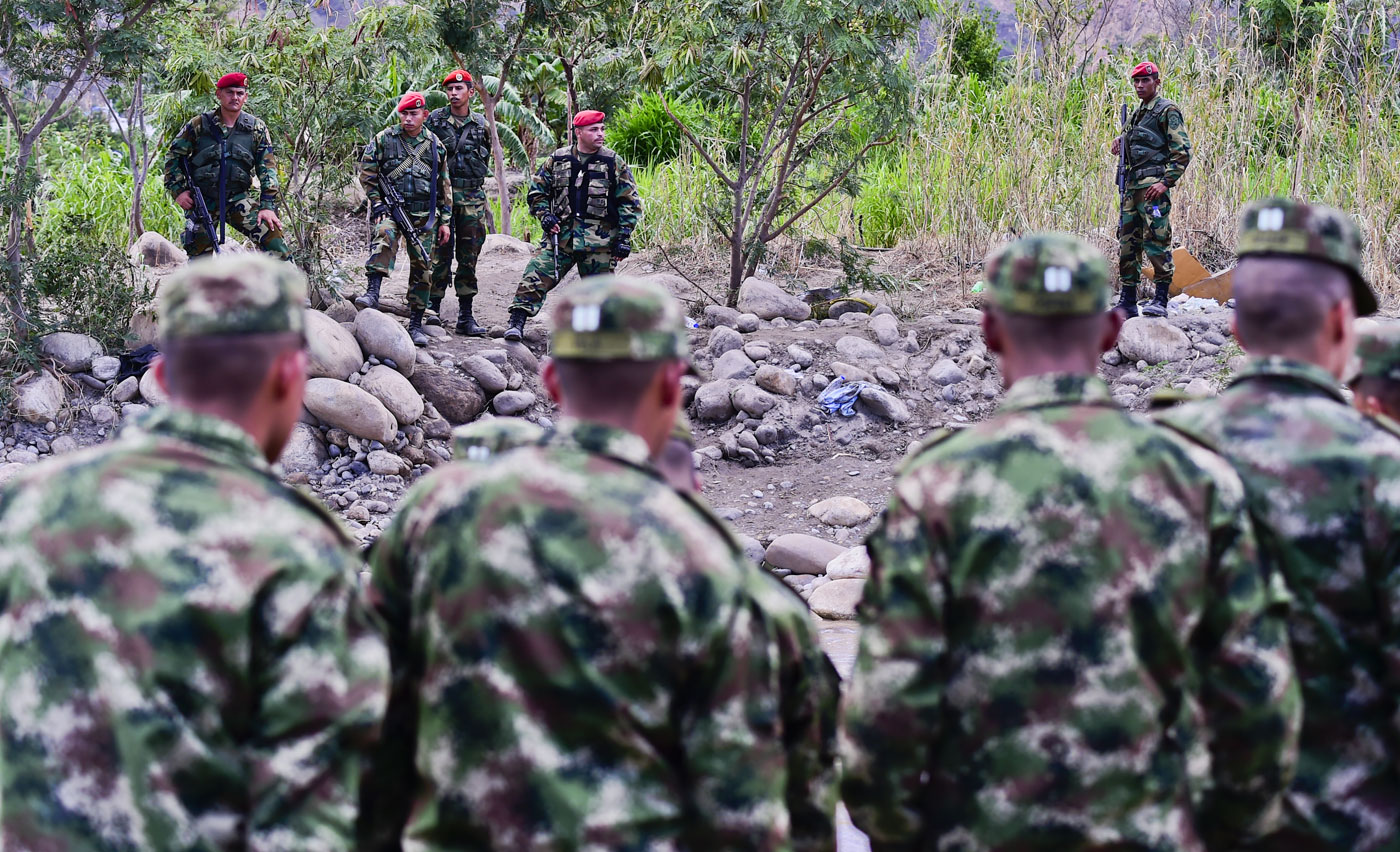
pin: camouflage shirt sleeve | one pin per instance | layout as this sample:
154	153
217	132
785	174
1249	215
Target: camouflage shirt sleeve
541	195
266	156
444	210
1178	147
369	173
181	146
626	198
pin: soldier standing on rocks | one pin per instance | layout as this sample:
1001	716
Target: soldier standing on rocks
1323	484
468	145
596	665
587	203
225	149
412	159
1158	153
1067	638
184	659
1376	388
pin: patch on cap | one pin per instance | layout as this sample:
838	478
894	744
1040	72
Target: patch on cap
479	440
1290	228
411	100
233	294
610	317
1048	275
1145	69
233	78
589	117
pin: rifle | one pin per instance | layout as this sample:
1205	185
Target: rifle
394	202
201	210
1123	152
554	241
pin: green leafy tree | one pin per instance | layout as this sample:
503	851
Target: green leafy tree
976	51
49	51
815	85
1283	29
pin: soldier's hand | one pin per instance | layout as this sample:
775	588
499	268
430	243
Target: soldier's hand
269	218
550	223
444	234
623	247
1156	191
1116	145
185	200
377	212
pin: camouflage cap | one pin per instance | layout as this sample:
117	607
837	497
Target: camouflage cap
479	440
1379	353
233	294
1287	227
610	317
1048	275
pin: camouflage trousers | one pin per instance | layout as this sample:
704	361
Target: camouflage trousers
468	234
241	214
384	249
540	276
1144	226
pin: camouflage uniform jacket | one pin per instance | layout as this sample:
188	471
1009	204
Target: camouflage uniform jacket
594	196
250	152
184	664
1067	641
597	670
1178	145
1323	483
391	150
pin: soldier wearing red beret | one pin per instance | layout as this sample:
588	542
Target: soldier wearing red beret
468	144
224	149
1158	153
412	159
584	197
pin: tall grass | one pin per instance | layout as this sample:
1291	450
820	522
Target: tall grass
93	187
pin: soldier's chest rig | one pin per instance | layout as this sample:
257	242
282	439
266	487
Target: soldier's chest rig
468	148
585	190
224	157
412	169
1147	141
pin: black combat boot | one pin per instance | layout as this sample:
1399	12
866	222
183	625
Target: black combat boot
1158	306
516	331
466	323
434	315
415	328
1127	301
370	298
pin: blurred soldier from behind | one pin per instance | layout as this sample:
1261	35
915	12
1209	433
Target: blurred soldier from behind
1376	388
1323	482
1067	638
184	661
597	669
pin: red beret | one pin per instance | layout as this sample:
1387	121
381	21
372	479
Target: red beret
1144	69
412	100
458	76
589	116
236	78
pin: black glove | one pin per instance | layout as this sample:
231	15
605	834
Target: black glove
623	246
549	222
377	212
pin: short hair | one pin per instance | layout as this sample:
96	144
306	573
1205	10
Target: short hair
1052	335
224	369
1281	302
607	385
1386	391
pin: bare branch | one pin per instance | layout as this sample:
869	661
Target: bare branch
850	167
695	143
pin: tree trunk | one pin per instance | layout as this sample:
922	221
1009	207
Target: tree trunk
14	260
136	158
573	100
736	241
488	106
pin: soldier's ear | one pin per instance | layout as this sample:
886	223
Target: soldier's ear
1112	326
992	332
549	376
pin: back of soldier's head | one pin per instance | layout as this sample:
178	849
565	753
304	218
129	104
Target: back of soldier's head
223	323
1298	261
1050	290
483	440
1376	386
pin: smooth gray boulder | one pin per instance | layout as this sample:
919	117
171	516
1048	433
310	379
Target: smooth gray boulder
332	351
39	399
390	387
801	553
341	405
767	300
73	353
381	335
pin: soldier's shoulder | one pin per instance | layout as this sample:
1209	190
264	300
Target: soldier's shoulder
920	447
251	122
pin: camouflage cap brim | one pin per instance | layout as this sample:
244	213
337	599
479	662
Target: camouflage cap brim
1286	227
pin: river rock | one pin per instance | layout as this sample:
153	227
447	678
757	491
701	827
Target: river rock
513	402
64	444
396	392
767	300
725	339
841	511
343	406
946	372
753	401
126	390
332	351
776	380
305	451
801	553
851	372
106	367
386	463
837	599
718	315
73	353
40	398
1152	339
153	249
457	398
859	349
381	335
486	373
713	401
102	414
506	244
151	391
747	323
9	471
854	564
884	404
733	365
885	328
753	548
800	356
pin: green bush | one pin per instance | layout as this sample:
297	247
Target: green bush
94	187
976	50
79	283
645	135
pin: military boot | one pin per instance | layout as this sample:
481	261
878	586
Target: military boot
1127	301
1158	306
434	315
516	331
466	323
415	328
370	298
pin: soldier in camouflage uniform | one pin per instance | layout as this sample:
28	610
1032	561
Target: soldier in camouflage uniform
1158	153
413	159
584	195
596	666
184	660
226	148
1376	387
468	151
1323	484
1067	640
